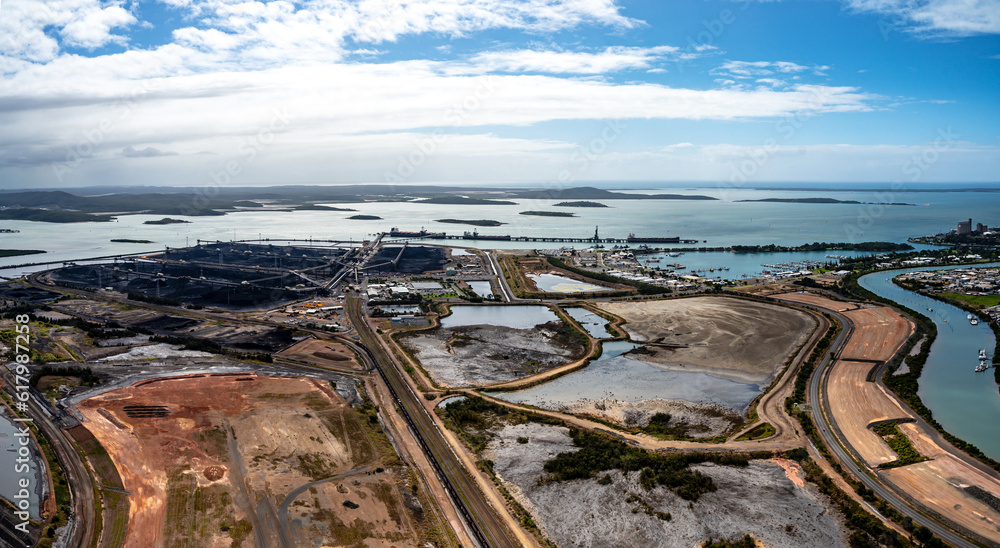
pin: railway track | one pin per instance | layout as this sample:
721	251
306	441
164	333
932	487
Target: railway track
485	525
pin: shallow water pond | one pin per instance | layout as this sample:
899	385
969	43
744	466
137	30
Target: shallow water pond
515	317
618	376
553	283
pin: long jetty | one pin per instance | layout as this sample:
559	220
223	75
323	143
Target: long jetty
484	238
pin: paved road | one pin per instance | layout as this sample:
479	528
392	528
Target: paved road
487	527
505	291
820	413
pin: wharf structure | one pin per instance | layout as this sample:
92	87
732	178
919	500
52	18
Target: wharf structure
595	239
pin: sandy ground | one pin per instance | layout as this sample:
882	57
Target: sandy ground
939	485
737	339
229	450
762	499
485	355
816	300
856	403
717	420
322	353
878	332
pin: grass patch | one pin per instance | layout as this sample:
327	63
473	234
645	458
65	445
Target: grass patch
759	432
899	443
978	301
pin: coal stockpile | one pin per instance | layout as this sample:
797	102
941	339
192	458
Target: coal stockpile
257	255
164	323
413	260
178	283
29	295
145	411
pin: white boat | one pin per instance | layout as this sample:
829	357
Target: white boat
974	322
982	353
983	366
970	317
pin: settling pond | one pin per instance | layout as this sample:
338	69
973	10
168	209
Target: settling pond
553	283
594	324
514	317
481	288
614	375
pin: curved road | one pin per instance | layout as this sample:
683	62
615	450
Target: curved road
819	405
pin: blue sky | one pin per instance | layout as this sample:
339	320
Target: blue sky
237	92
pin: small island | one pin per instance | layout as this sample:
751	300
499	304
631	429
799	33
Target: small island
16	252
317	207
821	201
166	221
583	203
549	213
462	200
473	222
365	218
130	241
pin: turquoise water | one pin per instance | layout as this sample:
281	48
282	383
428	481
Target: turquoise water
620	377
515	317
595	325
966	403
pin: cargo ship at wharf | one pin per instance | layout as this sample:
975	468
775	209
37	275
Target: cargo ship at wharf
475	235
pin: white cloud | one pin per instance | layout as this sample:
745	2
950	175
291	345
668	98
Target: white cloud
949	17
28	27
758	69
612	59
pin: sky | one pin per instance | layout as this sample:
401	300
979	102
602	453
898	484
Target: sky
520	92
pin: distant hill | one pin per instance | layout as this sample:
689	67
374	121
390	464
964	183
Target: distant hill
47	216
591	193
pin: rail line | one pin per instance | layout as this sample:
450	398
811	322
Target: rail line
484	524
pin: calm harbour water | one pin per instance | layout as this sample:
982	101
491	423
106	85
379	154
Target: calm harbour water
714	223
